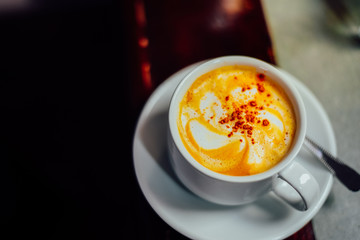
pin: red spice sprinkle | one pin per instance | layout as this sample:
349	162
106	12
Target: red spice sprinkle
230	134
225	120
265	122
235	115
252	103
260	88
261	76
227	98
246	126
239	123
250	118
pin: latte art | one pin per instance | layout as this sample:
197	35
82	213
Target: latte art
236	121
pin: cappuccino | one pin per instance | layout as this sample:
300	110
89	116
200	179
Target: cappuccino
236	121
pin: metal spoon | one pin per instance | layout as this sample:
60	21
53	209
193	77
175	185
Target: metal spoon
348	176
346	16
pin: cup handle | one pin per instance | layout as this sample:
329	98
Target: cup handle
297	187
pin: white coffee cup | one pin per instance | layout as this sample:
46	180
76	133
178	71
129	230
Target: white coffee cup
288	179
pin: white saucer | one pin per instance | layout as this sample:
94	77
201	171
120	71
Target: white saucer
267	218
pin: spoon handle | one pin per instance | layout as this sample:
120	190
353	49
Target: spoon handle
348	176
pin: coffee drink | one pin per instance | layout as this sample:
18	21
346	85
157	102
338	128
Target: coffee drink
236	121
236	125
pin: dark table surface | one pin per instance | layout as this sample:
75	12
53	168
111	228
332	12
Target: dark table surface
71	90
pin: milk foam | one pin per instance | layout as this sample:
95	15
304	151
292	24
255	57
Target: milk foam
235	124
206	138
211	108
